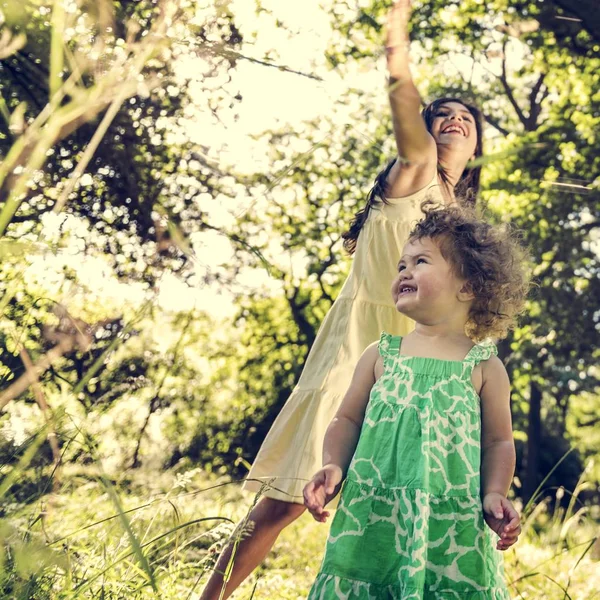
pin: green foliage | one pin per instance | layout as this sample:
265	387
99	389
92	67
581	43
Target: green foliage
139	384
541	177
128	215
136	170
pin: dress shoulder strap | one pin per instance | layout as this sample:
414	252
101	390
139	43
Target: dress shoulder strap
389	345
480	352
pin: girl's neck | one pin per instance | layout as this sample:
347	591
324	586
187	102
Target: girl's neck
441	331
441	343
451	172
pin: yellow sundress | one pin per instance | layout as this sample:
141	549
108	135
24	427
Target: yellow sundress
292	450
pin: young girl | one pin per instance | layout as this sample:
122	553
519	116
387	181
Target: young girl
434	151
423	436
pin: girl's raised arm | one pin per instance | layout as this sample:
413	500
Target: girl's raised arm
417	149
342	434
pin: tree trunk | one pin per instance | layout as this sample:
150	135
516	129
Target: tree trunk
534	435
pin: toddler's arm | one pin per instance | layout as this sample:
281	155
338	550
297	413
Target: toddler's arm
498	453
342	436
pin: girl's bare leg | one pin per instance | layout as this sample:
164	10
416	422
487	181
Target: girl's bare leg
270	517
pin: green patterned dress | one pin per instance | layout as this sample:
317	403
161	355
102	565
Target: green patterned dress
410	522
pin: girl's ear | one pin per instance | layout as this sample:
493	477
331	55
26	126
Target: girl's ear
465	294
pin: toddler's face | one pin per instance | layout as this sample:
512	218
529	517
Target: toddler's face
426	286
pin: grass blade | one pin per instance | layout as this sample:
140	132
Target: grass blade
24	461
539	487
84	585
134	542
56	46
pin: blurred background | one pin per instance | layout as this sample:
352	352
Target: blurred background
175	179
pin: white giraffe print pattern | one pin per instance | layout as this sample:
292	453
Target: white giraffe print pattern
410	522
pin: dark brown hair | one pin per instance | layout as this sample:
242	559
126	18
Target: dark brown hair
466	190
489	257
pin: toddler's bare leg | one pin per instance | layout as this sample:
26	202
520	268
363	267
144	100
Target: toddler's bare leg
269	517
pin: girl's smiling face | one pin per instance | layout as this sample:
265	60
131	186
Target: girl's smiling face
453	124
427	288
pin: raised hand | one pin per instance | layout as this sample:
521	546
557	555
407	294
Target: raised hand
397	41
502	517
321	489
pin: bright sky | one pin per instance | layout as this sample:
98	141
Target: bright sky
271	100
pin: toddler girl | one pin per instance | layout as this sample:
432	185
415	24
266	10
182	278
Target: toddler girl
423	437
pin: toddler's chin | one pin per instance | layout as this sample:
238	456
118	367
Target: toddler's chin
402	309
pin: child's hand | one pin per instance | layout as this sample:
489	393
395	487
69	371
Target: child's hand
321	489
502	518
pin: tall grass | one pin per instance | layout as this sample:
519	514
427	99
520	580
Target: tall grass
553	558
158	536
92	540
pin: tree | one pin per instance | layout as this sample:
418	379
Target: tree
90	105
540	180
137	180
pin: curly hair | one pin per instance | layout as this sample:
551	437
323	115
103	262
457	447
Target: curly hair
490	258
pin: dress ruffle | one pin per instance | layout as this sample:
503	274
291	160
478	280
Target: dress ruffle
332	587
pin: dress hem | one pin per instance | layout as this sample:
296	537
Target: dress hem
401	591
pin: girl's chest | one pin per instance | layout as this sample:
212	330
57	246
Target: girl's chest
428	384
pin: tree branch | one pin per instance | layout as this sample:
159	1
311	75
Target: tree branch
589	226
535	106
31	375
494	123
508	89
232	56
69	335
586	11
155	402
306	329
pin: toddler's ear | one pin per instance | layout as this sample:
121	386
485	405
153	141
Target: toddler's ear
465	294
